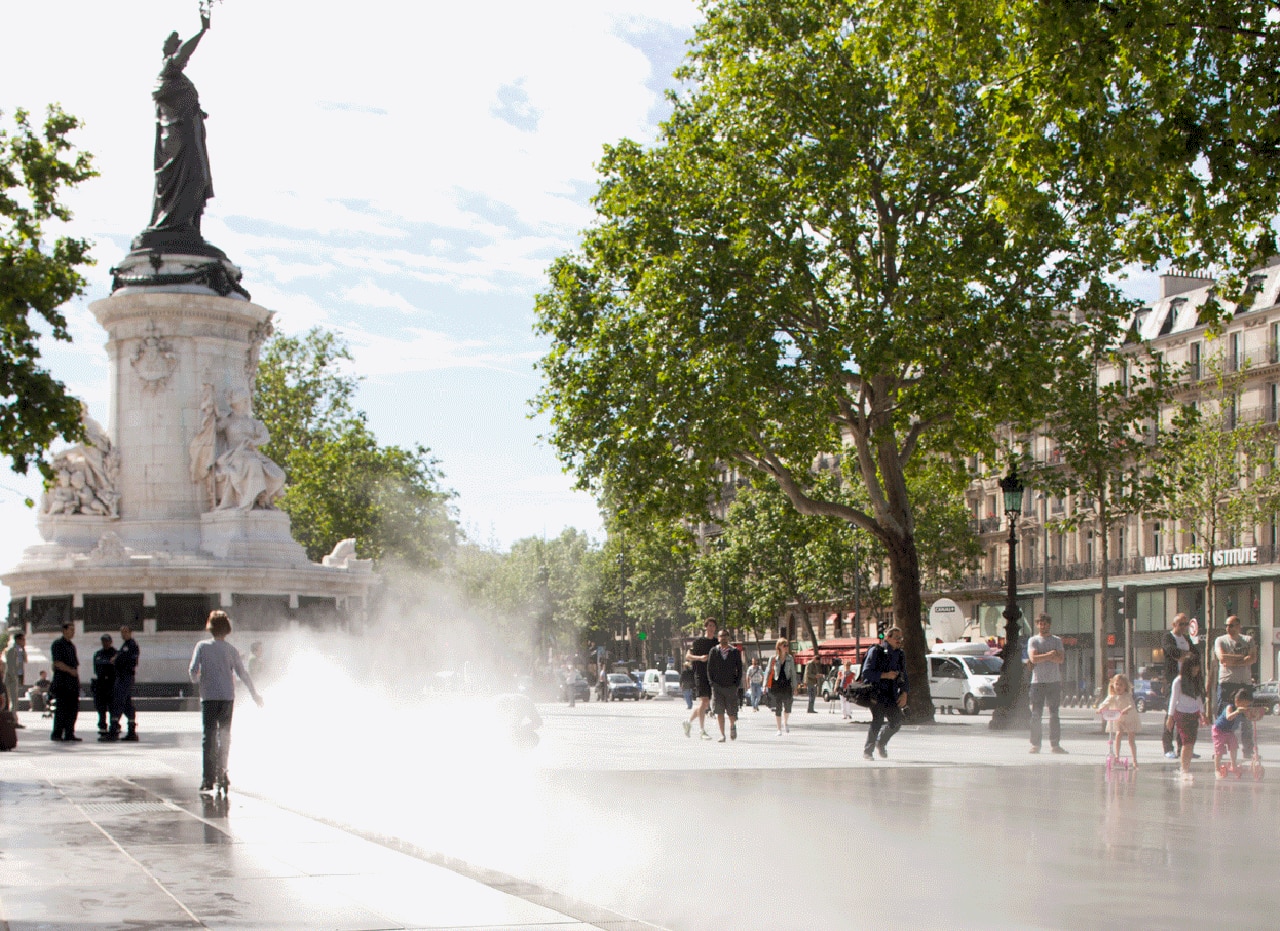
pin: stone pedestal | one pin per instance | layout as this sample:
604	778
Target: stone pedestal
259	538
152	549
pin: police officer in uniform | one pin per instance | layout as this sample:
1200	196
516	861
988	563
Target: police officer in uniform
104	682
126	663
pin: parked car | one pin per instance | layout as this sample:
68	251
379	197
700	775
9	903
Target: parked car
658	683
581	689
1149	694
1267	695
962	676
622	686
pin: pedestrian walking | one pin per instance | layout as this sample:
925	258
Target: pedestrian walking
1176	643
779	679
1186	708
755	682
697	655
724	669
103	683
1120	699
813	679
212	664
66	685
687	686
1235	653
885	670
1046	653
844	689
15	661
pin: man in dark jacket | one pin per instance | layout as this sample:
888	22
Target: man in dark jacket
724	669
1176	643
104	682
66	685
885	668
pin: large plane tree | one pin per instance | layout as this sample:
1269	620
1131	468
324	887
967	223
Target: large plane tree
856	234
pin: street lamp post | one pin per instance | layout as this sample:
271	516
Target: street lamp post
1009	712
622	601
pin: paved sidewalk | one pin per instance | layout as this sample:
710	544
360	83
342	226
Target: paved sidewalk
104	836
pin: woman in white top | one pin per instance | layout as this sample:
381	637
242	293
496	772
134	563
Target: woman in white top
1186	707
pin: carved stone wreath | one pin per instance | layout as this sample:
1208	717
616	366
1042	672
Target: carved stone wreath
154	361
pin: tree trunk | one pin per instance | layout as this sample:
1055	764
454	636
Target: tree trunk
808	624
904	576
1211	610
1100	628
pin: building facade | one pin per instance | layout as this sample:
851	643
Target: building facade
1156	568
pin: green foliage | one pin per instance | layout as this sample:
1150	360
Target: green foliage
645	571
1156	119
36	277
543	595
342	482
861	225
1107	438
772	555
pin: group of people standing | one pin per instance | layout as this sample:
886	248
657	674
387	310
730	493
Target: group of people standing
1232	719
214	664
715	672
112	687
114	671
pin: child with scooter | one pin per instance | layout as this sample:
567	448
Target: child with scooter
1226	733
1118	710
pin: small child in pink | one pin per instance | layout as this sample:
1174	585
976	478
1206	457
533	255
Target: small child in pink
1120	699
1226	730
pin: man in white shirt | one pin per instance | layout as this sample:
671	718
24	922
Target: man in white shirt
1046	653
1176	644
1235	653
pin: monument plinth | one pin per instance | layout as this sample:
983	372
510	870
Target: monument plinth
173	511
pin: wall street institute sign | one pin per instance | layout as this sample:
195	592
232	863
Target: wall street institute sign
1240	556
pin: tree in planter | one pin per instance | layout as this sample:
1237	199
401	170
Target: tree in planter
36	277
1108	440
1220	476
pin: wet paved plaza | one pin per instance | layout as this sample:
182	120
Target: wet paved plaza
616	820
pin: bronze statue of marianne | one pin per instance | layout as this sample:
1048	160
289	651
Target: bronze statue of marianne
183	181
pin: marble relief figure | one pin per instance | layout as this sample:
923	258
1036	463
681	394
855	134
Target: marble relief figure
86	476
226	457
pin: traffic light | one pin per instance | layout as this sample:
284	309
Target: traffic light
881	627
1122	602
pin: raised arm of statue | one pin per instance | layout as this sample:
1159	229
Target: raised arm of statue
183	54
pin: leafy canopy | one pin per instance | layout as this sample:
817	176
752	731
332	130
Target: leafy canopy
342	482
36	278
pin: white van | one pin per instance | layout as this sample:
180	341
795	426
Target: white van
963	676
658	684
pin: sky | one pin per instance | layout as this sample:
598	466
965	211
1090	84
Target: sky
400	173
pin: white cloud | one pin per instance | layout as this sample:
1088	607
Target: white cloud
369	294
